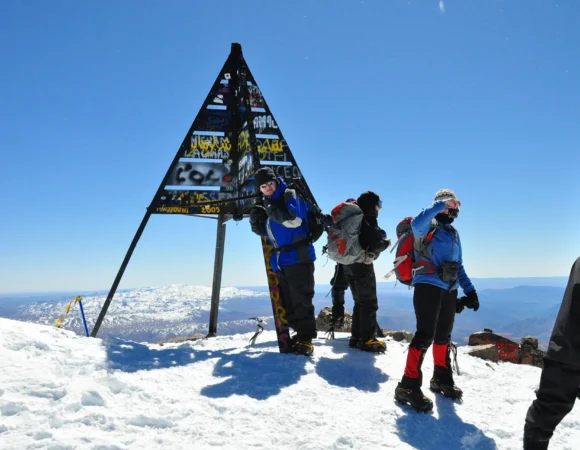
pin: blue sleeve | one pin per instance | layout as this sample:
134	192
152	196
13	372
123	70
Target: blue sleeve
422	223
462	277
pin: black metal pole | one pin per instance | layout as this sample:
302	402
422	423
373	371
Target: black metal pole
120	273
217	276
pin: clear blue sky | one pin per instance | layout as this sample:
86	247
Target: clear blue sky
401	97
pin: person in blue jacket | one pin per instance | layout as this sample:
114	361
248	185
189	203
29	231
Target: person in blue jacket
282	218
437	274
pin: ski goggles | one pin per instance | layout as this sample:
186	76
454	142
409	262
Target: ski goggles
380	203
267	184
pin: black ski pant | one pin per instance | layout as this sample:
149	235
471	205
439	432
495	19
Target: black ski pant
554	399
435	314
339	286
363	285
561	374
297	289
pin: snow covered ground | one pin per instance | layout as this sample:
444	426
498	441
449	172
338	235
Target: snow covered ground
63	391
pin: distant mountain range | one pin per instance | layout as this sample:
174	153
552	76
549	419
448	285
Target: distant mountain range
160	313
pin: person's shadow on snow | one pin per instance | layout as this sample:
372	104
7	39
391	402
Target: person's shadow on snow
425	432
256	374
355	369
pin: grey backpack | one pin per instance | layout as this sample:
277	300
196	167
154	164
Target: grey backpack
343	245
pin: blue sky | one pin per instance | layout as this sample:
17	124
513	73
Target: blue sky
400	97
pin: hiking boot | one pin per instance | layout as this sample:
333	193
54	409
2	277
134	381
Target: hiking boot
413	398
353	342
442	383
303	348
448	390
372	345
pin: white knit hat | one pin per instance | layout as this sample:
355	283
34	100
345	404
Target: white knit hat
444	195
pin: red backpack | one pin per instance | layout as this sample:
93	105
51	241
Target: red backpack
405	254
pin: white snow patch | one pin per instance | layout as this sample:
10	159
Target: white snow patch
63	391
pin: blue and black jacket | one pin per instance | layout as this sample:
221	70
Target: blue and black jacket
445	245
287	225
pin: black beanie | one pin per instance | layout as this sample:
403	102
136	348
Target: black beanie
368	201
263	175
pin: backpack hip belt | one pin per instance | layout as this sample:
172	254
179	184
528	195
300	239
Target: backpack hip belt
424	267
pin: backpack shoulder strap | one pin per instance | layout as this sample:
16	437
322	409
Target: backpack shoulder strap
425	241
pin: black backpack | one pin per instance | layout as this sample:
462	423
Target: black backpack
314	216
316	222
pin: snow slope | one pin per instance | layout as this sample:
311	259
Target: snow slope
155	313
59	390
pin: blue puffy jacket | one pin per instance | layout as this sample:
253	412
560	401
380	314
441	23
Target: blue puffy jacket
445	246
287	224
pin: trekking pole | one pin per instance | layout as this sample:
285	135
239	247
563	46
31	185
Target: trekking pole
398	262
398	240
58	322
259	329
83	316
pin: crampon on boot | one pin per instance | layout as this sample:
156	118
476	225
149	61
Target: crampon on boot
409	393
303	348
442	381
372	345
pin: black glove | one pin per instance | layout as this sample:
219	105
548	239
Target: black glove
258	217
470	300
258	228
258	214
459	306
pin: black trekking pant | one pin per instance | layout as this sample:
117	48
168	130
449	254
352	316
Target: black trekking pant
339	286
363	285
561	374
435	314
297	289
555	398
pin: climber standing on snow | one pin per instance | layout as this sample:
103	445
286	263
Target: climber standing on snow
360	275
437	273
282	218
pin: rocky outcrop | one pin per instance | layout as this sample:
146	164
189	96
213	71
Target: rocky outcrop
493	347
325	316
530	353
399	336
487	352
507	350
